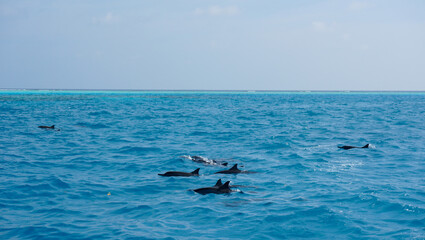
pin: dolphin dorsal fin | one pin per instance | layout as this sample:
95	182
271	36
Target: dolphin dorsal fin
366	146
235	167
196	171
225	186
219	183
53	126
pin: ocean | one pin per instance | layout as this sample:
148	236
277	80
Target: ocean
97	178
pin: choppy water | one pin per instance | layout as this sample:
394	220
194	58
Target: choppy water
55	184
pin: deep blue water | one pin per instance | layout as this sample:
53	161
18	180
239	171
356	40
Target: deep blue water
55	184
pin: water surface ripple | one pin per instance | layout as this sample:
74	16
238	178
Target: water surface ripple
55	184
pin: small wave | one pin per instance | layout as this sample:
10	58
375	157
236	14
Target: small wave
200	133
117	140
197	210
50	212
91	125
136	209
417	223
35	187
145	190
274	146
58	183
145	117
100	113
16	207
313	113
137	150
383	205
33	232
298	166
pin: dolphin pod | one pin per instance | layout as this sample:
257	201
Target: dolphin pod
219	187
180	174
350	147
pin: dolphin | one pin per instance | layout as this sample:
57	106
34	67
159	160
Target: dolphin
232	170
205	160
219	183
224	188
180	174
47	127
350	147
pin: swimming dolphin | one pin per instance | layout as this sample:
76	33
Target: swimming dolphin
205	160
232	170
219	183
47	127
350	147
216	189
180	174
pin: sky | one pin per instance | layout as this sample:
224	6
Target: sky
213	45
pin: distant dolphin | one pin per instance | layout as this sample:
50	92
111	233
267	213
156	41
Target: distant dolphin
350	147
234	170
180	174
205	160
47	127
216	189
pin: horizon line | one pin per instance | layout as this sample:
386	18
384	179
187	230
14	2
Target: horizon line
198	90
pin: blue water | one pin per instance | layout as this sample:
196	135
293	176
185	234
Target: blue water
55	184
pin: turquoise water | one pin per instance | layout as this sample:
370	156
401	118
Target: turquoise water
97	178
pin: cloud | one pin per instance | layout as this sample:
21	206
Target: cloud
218	11
357	5
107	19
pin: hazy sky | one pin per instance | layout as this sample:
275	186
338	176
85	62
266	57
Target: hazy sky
216	45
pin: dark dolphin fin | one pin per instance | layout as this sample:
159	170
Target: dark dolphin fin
366	146
224	164
225	186
53	126
235	167
219	183
346	147
196	171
